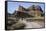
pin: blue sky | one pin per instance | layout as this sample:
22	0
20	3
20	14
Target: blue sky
12	6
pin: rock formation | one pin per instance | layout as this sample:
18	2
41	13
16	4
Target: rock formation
15	20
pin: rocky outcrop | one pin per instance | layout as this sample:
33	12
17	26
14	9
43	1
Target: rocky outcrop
15	20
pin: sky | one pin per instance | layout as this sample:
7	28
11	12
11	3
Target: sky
12	6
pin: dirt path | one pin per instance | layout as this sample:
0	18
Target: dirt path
34	24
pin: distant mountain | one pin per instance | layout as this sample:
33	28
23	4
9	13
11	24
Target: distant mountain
23	12
9	14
